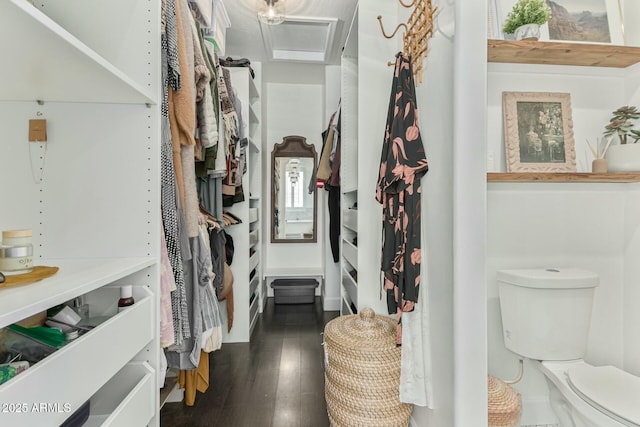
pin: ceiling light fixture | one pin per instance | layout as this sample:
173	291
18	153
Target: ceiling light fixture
271	12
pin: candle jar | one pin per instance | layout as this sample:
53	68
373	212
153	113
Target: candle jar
16	259
16	238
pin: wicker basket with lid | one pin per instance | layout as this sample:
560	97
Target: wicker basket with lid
504	404
362	372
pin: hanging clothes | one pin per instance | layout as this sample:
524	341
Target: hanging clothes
203	11
199	297
206	112
200	79
334	220
181	110
167	286
169	191
402	165
217	241
211	320
195	380
324	168
334	159
333	187
416	372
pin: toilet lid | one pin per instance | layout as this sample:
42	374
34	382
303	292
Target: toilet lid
609	389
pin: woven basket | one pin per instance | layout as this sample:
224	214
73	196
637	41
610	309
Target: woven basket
504	404
362	373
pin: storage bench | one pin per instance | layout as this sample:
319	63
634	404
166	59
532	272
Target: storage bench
294	291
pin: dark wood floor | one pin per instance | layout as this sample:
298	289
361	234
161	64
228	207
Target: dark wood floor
275	380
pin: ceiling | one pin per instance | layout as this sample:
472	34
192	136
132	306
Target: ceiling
313	32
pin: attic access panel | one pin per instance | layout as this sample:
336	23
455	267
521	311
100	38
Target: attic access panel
300	39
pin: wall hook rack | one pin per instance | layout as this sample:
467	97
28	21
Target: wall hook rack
417	31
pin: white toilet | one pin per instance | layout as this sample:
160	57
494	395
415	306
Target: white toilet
545	317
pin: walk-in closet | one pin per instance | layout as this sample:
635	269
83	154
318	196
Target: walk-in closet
302	212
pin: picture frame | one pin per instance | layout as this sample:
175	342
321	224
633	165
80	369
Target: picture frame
552	31
593	21
538	132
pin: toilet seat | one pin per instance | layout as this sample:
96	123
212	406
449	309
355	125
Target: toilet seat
608	389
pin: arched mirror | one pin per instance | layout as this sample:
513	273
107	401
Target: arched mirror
293	208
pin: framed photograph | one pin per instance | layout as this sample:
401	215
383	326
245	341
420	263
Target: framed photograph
589	21
538	132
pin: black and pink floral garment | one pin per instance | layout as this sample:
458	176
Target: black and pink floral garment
402	165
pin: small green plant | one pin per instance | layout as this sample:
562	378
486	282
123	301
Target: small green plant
622	122
526	12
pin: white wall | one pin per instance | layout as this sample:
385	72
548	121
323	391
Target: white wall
536	225
435	104
594	94
469	214
631	291
293	109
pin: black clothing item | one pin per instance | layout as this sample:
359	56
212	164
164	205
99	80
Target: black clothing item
334	221
229	248
217	241
242	62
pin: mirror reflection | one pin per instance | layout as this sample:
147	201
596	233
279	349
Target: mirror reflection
293	213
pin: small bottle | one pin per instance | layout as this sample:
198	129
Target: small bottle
126	297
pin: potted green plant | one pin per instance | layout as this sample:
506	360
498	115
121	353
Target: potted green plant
621	124
525	19
624	157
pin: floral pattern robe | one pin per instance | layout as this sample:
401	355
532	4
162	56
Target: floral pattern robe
402	164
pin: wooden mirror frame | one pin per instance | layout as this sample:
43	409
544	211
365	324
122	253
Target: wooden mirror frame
293	146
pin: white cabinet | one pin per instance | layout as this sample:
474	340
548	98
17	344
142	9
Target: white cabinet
91	196
248	292
364	67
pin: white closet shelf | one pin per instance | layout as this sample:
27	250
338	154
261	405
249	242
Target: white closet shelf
47	380
254	310
254	260
254	94
253	146
109	407
350	286
346	308
350	252
43	61
350	219
350	188
253	116
75	277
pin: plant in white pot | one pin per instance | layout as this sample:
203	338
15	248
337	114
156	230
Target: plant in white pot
525	19
624	157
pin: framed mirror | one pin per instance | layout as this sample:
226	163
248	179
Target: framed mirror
293	208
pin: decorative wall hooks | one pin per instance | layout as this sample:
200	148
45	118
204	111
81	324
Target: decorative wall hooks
417	31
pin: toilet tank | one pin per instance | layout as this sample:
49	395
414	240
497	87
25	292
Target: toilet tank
546	312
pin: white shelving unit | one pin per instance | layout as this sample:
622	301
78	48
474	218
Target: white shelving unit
364	65
53	53
349	168
95	211
249	295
